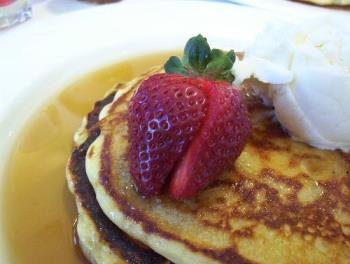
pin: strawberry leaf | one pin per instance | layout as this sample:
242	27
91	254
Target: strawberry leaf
219	67
197	53
232	56
200	60
174	65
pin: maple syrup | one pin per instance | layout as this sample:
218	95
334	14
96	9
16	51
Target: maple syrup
39	209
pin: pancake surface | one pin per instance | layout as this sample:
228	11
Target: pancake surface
100	240
280	202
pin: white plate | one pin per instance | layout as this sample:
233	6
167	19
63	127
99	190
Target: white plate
37	59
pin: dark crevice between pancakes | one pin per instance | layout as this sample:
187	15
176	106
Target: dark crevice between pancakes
133	252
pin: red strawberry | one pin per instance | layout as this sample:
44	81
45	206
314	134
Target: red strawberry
184	131
164	115
221	139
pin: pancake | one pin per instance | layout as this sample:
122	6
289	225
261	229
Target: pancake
328	2
280	202
100	240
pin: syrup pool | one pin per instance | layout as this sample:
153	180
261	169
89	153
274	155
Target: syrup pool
39	209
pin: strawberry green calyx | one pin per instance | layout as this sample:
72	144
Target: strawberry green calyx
197	53
200	60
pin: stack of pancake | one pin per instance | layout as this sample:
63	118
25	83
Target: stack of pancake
280	202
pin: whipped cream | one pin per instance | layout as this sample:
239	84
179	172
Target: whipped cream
307	67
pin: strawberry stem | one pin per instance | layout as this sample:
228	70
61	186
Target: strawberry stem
200	60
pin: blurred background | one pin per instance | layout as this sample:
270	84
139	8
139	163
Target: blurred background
41	9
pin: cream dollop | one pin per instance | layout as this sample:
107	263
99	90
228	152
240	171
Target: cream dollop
307	67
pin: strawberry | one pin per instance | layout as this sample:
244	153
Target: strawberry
221	139
185	126
164	115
